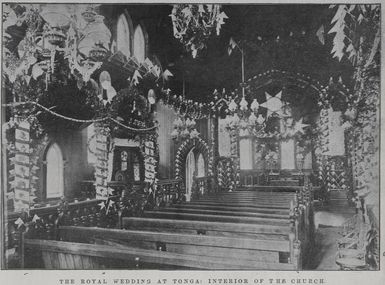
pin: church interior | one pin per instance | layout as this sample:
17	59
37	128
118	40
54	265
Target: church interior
190	136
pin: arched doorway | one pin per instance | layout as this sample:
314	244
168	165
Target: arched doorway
190	171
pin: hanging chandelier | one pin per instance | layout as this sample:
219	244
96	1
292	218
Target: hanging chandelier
193	24
184	129
76	33
243	118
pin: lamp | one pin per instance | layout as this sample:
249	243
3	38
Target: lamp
184	129
151	96
105	80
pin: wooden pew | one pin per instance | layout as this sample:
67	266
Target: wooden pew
166	214
232	208
208	227
70	255
225	212
240	204
272	251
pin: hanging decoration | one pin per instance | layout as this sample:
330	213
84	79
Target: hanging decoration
225	174
273	104
101	167
150	161
193	24
362	26
21	168
184	129
54	31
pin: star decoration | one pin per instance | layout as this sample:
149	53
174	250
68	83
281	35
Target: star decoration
273	104
35	218
299	126
110	203
110	191
19	222
102	205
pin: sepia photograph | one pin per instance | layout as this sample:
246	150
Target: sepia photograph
190	136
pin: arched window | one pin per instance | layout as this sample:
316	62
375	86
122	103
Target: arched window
54	182
139	44
123	40
201	166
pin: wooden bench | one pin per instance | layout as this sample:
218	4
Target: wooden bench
80	256
177	215
269	188
240	204
233	208
271	251
208	227
225	212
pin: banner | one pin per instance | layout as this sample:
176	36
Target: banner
21	168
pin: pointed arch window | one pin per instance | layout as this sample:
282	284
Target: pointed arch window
54	180
201	166
139	44
123	37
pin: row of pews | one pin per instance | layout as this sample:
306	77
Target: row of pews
240	230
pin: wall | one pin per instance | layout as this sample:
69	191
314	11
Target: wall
165	116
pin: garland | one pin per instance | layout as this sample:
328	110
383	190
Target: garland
81	120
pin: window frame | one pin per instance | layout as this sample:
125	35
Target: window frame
145	40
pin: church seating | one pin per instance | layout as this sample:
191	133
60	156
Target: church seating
258	229
68	255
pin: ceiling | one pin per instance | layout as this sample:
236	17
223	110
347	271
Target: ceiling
257	28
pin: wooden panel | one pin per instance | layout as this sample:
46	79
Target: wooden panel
47	260
200	240
239	204
77	261
61	257
215	251
271	188
216	218
232	208
205	226
154	257
70	261
224	212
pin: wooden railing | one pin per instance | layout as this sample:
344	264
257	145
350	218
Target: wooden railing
169	191
42	222
202	186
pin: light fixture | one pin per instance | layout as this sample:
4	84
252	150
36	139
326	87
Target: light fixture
105	80
184	129
151	96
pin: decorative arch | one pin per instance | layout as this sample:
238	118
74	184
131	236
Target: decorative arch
289	78
200	146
